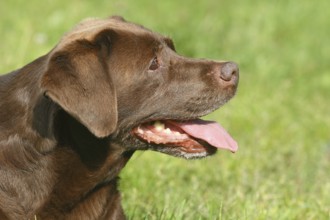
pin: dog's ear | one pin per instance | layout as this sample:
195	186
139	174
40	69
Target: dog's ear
118	18
78	79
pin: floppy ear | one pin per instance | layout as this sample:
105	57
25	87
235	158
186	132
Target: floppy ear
78	80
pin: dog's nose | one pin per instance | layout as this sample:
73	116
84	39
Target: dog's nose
228	71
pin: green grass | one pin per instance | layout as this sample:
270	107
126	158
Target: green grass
280	116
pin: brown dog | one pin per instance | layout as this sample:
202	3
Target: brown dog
71	119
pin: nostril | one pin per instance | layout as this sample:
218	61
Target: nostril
228	70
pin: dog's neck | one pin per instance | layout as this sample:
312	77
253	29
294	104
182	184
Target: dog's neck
86	166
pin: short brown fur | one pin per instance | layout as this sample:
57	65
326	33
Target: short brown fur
66	118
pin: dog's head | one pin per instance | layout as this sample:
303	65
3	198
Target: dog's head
125	82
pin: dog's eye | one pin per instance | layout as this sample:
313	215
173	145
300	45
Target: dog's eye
154	64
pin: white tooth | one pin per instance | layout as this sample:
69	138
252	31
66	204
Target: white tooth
140	130
168	131
177	133
159	126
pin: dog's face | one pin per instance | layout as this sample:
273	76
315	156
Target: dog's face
130	85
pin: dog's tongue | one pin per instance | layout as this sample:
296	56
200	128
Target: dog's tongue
209	131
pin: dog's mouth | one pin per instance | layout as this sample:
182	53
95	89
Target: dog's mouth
192	137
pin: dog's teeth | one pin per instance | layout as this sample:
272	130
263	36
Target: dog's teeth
159	126
140	130
168	131
177	133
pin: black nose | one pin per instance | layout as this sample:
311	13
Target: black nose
228	71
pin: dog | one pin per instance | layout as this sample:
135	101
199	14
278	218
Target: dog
71	119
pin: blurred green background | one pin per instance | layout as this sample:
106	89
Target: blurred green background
280	115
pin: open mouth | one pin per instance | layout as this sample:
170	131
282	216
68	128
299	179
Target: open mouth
191	136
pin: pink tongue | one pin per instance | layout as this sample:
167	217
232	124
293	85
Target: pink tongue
209	131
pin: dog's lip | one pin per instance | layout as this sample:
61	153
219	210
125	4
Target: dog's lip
191	135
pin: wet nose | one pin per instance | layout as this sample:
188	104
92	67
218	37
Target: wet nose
228	71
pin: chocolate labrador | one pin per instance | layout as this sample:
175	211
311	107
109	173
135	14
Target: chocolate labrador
71	119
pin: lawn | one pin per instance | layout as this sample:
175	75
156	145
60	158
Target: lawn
280	115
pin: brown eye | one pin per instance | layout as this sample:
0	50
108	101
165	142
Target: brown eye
154	64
